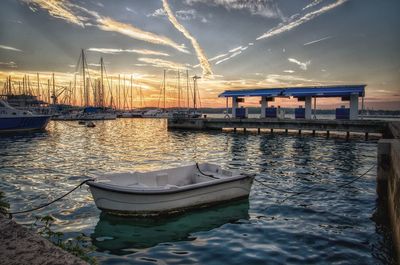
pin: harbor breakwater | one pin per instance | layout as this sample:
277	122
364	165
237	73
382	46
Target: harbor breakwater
388	180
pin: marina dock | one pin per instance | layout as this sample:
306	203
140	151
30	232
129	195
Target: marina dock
349	126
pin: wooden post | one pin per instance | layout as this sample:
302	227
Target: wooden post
286	131
313	132
347	135
366	136
244	129
258	130
299	132
327	134
272	130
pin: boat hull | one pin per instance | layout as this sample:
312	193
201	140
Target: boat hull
26	123
171	202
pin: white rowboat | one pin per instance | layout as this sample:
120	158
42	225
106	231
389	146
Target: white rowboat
168	191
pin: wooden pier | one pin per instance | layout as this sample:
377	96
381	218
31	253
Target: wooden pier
349	126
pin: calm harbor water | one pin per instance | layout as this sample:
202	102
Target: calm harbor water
319	227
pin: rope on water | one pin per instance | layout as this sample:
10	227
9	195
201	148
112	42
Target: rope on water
295	193
273	188
10	214
331	190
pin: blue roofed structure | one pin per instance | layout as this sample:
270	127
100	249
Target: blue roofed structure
325	91
303	94
263	92
313	91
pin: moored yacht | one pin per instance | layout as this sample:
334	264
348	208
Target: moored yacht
14	120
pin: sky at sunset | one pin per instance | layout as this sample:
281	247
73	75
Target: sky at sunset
231	44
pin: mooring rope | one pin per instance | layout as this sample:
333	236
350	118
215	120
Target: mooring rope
204	174
10	214
273	188
330	190
295	193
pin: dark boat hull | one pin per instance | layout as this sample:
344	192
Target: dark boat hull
21	124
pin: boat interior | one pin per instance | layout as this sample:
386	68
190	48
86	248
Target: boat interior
166	178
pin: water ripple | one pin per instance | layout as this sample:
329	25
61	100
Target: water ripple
319	227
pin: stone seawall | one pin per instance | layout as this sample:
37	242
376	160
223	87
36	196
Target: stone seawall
19	246
388	181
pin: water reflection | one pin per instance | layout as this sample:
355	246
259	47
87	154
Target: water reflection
312	228
116	234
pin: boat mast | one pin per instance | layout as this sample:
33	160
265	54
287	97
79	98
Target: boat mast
131	93
119	92
85	92
187	87
23	84
28	89
74	93
101	92
54	91
111	95
194	90
38	85
179	91
48	91
164	88
125	103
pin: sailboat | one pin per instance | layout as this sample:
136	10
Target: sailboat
159	113
189	113
14	120
97	112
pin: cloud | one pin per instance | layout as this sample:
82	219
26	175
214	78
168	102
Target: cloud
288	71
230	57
116	51
284	79
130	10
223	60
58	9
109	24
10	48
312	4
156	62
219	56
67	11
266	8
316	41
10	64
302	65
291	24
234	52
188	14
236	49
205	65
160	12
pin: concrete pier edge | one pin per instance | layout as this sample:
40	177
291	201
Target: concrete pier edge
388	180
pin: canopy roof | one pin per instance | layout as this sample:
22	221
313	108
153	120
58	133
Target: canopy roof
313	91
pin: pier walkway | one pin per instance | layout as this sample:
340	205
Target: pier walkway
348	126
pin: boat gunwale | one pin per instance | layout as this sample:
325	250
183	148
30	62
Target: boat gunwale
172	212
196	186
